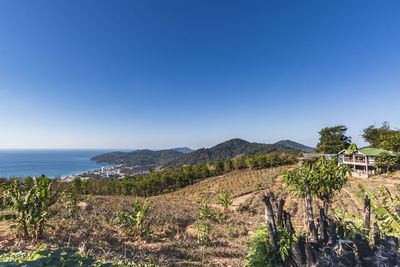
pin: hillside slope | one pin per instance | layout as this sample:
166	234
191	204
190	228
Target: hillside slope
173	218
226	150
139	158
295	145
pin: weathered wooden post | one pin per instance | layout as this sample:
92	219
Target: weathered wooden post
288	222
310	215
323	226
332	232
377	235
299	256
279	210
310	254
367	215
270	222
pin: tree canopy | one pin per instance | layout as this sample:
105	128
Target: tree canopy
382	137
325	177
386	161
333	139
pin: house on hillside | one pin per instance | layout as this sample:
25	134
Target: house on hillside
361	160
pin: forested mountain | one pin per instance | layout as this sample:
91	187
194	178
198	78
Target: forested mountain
182	155
295	145
138	158
226	150
183	149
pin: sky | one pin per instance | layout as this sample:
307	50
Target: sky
159	74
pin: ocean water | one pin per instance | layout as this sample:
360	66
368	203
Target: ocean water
52	163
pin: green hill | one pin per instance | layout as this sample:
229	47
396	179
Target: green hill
139	158
295	145
226	150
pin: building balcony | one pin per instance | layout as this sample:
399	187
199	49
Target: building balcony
357	162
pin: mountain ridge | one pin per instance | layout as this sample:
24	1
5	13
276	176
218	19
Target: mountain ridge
227	150
174	157
296	145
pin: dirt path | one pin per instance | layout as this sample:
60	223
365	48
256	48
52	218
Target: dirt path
237	202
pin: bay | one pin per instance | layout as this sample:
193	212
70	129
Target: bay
52	163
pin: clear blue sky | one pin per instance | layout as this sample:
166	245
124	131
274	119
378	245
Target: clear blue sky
158	74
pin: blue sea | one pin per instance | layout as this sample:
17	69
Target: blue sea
52	163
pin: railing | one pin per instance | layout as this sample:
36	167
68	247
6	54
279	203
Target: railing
356	160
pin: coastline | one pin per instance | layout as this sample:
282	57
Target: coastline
86	171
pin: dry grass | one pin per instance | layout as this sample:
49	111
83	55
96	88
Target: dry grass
173	218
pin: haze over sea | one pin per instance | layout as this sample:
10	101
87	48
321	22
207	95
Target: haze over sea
52	163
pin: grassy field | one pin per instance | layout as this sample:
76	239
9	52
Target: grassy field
173	218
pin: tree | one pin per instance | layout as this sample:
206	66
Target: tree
333	139
324	177
386	161
77	185
382	137
391	141
373	135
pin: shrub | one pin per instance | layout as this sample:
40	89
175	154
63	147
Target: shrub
133	221
31	204
224	199
205	212
203	231
59	257
261	252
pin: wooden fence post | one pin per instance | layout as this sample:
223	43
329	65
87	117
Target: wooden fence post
310	215
270	222
367	215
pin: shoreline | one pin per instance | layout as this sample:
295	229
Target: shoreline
86	171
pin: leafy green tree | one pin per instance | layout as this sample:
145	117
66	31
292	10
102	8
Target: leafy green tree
325	178
391	141
239	163
228	166
250	162
261	161
77	185
333	139
373	135
382	137
386	161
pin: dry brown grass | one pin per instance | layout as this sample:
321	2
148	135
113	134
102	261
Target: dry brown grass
173	218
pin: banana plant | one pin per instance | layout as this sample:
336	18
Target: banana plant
133	221
31	205
385	207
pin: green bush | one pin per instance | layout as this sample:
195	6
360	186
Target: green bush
133	220
59	257
205	212
224	199
31	203
203	231
261	253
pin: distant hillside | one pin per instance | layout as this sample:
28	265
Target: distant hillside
295	145
225	150
138	158
182	149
